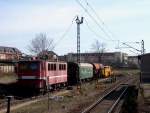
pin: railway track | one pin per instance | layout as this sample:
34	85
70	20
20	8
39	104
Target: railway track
109	101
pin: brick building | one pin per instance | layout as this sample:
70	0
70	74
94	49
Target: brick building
9	53
117	59
7	56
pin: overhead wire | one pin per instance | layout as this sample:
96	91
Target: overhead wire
96	22
101	28
99	18
65	33
95	33
103	23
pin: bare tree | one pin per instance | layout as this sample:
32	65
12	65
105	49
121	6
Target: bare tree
41	43
99	48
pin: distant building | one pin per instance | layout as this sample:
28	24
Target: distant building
7	56
133	62
117	59
9	53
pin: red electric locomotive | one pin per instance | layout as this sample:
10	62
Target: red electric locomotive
38	74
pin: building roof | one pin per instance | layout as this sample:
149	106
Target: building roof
12	50
96	53
48	53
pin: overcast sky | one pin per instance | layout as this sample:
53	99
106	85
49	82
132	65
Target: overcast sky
21	20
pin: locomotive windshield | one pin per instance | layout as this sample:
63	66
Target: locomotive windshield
28	66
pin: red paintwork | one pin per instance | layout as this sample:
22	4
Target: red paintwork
42	76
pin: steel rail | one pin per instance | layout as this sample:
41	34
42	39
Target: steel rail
117	101
87	110
100	100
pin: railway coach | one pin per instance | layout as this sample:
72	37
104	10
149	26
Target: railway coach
79	72
39	75
145	75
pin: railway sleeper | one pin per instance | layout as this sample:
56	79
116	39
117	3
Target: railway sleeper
130	100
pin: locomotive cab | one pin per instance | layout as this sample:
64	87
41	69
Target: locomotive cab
30	74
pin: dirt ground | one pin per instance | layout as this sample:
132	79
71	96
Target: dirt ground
143	107
67	103
73	102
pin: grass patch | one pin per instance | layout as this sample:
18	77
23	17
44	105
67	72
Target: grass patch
6	78
125	72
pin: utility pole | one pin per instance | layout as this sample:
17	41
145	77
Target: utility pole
78	52
78	37
142	47
142	50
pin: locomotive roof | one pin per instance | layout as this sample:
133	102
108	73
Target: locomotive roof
82	64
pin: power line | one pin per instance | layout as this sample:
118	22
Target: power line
134	52
93	19
95	33
97	23
103	23
131	47
65	33
98	17
99	36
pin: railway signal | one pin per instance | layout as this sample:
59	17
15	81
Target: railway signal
79	22
78	37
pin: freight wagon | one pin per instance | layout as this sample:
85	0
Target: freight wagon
97	70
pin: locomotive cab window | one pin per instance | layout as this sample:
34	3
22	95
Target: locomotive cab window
33	66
